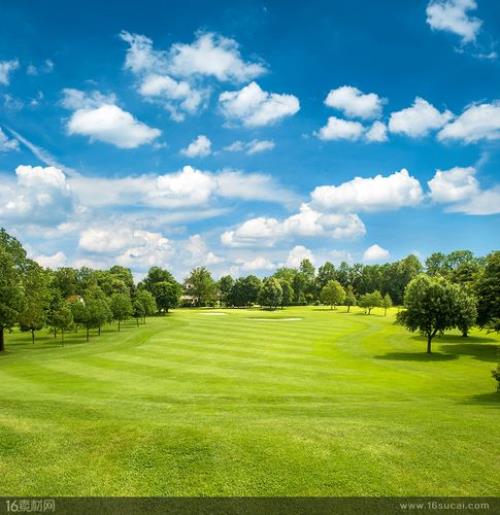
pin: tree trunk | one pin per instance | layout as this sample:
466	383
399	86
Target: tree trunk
465	333
62	337
32	336
99	331
2	343
429	340
119	328
87	333
137	320
331	306
349	308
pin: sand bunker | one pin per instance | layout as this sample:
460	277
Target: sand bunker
213	314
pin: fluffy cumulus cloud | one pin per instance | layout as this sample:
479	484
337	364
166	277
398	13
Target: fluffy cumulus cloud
354	103
419	119
199	253
254	146
7	144
176	78
297	255
477	122
133	248
200	147
453	185
454	16
258	263
338	129
379	193
39	195
98	117
308	222
254	107
53	261
377	133
375	253
461	191
6	68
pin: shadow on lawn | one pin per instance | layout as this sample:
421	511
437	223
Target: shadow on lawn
485	399
416	356
481	348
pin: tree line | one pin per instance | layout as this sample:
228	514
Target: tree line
448	290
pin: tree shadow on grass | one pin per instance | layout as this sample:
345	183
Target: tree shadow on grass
416	356
478	347
491	400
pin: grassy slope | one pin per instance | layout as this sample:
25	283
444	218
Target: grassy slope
332	404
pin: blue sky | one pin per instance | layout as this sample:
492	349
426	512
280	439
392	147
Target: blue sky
246	135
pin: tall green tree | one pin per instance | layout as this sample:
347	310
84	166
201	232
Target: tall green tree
11	293
371	300
121	307
147	301
37	296
97	307
167	295
466	311
60	316
271	293
488	293
201	286
386	303
430	307
332	294
350	298
287	293
326	273
224	286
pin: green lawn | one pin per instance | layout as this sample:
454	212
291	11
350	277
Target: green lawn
304	401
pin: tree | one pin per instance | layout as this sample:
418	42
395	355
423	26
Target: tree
224	286
146	299
66	281
386	303
79	311
37	297
287	293
271	293
326	273
121	307
332	294
368	301
11	292
60	316
488	292
166	294
430	307
466	313
252	286
350	298
98	311
201	286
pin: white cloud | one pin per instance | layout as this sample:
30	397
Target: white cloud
419	119
354	103
200	255
6	68
375	253
254	107
377	193
98	117
453	185
200	147
452	16
338	129
251	147
53	261
39	195
377	133
215	56
460	188
7	144
46	67
297	255
177	97
262	231
477	122
176	79
256	264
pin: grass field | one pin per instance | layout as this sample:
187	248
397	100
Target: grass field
304	401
